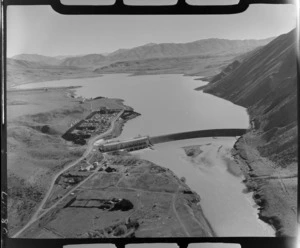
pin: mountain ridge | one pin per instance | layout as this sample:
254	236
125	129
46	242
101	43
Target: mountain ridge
150	50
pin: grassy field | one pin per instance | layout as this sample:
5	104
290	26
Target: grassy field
158	205
36	119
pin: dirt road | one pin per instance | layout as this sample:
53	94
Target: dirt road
89	148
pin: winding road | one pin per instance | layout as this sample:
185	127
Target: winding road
88	150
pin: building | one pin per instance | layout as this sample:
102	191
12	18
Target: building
128	145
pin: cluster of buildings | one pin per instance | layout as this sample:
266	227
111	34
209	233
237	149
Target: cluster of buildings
98	121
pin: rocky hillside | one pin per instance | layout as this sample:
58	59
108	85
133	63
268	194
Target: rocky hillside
265	82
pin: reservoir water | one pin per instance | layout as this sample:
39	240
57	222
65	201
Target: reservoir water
169	104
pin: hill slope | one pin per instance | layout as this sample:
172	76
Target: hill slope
265	82
22	72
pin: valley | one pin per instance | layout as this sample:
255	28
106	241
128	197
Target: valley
70	103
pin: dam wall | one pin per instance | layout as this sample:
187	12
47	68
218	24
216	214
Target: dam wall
197	134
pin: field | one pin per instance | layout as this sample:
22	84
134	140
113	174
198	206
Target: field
138	199
36	120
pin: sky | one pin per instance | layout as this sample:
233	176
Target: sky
41	30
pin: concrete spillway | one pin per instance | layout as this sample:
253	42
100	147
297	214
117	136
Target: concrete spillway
198	134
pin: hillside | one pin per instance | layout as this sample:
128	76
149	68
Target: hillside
192	65
265	82
22	72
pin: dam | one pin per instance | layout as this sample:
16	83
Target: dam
225	132
128	145
146	141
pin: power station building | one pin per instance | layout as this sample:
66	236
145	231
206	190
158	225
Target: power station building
128	145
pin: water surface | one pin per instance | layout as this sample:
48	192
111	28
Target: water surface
168	103
229	211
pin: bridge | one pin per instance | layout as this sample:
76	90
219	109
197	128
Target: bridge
145	141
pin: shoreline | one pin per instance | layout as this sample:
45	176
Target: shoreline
257	197
13	87
266	187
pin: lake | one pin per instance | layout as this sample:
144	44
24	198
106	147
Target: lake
168	103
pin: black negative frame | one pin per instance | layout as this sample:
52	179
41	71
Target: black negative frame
119	8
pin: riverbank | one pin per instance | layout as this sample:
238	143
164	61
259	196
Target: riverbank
274	188
207	166
36	120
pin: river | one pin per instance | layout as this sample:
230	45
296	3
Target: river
169	104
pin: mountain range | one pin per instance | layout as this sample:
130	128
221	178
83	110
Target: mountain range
151	50
203	57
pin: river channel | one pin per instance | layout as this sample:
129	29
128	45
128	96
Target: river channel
169	104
